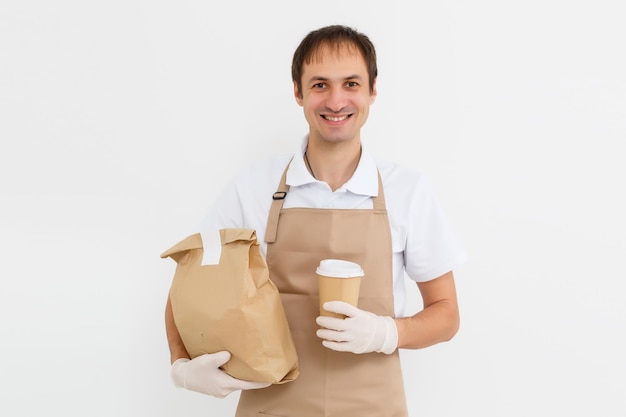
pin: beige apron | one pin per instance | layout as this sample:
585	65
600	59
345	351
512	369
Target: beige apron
330	384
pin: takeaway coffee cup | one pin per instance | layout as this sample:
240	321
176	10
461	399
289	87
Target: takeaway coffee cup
339	280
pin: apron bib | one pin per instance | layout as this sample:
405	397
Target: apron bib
330	383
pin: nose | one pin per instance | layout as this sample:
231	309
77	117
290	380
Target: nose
336	100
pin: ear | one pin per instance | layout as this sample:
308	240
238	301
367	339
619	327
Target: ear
296	94
374	93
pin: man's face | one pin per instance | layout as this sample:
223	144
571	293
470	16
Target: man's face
335	95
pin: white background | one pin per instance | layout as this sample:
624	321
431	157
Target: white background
120	121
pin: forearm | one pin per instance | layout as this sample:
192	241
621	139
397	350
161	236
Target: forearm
437	322
177	348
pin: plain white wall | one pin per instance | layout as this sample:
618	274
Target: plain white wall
120	121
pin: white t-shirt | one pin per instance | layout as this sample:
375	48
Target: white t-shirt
423	243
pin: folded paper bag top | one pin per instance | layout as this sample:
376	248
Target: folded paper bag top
232	306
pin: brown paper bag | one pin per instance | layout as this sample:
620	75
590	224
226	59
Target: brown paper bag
232	306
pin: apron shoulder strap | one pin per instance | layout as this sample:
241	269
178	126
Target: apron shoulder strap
379	200
278	199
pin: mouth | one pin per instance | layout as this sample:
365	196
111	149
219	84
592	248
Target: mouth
336	118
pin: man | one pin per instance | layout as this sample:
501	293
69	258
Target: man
339	202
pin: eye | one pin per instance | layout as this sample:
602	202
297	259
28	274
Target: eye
319	86
352	84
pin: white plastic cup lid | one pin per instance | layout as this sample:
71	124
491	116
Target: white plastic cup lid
339	268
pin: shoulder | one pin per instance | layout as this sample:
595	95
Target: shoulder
246	198
401	182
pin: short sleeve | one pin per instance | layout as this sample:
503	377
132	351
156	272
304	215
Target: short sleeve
432	246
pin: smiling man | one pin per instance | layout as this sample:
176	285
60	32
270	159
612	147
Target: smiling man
339	202
335	91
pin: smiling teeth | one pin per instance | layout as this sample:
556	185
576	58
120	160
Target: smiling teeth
336	119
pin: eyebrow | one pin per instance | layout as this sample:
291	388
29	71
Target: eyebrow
320	78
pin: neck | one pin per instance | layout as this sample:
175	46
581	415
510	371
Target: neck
335	166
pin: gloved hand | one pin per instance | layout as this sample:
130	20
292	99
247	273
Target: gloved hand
202	374
360	332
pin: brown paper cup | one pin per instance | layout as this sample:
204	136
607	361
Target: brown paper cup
339	280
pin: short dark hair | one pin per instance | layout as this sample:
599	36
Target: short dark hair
335	36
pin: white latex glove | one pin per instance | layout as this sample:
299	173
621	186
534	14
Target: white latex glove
202	374
360	332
